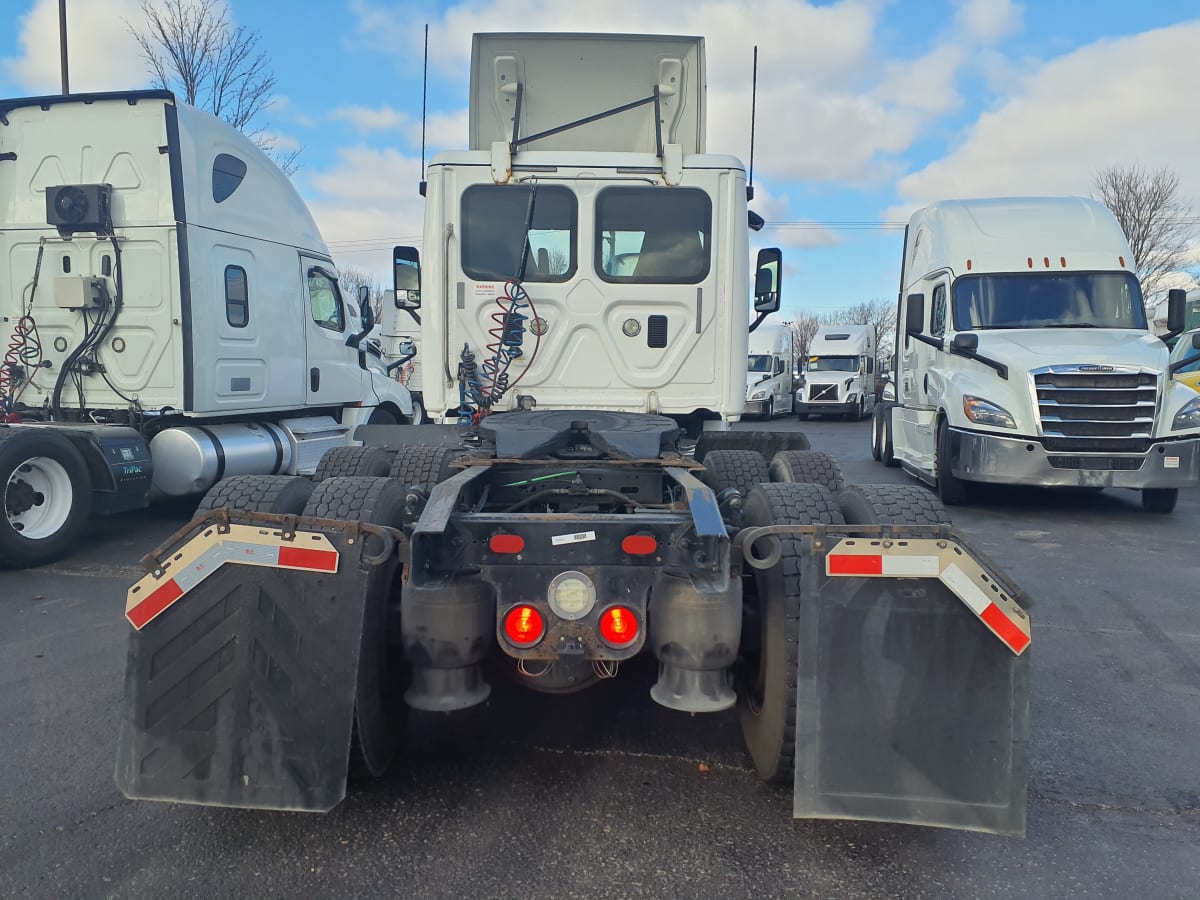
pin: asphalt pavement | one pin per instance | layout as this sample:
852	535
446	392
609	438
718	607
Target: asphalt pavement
605	794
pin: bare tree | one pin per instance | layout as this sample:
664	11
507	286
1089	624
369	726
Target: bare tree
879	313
1157	224
349	280
192	49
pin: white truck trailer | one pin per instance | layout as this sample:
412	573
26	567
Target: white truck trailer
769	380
170	316
1024	356
840	377
585	291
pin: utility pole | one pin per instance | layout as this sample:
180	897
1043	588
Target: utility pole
62	43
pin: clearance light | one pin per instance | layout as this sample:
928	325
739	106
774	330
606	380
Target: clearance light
618	626
639	544
524	626
571	595
506	543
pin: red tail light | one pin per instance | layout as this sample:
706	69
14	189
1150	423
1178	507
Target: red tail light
524	626
639	544
506	543
619	626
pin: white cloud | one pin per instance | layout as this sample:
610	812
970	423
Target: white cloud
366	120
443	131
1118	101
987	21
101	54
284	108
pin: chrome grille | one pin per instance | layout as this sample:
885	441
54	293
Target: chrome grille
1091	409
823	393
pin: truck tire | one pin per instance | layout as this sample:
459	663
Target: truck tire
46	493
279	494
1160	500
381	416
861	412
741	469
421	466
951	490
379	710
807	467
876	436
891	504
887	445
770	638
767	443
363	462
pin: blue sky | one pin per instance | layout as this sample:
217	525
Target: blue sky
866	109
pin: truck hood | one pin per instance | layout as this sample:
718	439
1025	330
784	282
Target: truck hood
1074	346
753	378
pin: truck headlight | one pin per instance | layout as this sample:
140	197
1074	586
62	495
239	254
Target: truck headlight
1187	417
984	412
759	395
850	398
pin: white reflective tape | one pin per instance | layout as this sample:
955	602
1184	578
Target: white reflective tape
578	537
911	566
965	589
200	568
252	554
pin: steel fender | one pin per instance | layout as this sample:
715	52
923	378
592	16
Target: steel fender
242	665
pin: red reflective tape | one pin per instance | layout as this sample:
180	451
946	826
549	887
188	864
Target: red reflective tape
995	618
846	564
160	598
301	558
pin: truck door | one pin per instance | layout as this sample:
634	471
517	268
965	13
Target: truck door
920	385
334	375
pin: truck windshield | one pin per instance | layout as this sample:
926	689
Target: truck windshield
833	364
1049	300
759	363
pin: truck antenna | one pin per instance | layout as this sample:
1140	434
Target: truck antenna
424	96
753	100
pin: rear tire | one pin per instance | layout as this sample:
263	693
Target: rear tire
770	638
887	444
891	504
421	466
379	709
951	490
354	462
1160	500
807	467
45	496
876	438
279	494
741	469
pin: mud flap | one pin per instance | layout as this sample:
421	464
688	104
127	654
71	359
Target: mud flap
242	668
913	688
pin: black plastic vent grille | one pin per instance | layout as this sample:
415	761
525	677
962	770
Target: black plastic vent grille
1098	463
656	332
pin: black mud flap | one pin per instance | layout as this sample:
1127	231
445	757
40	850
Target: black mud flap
243	663
913	690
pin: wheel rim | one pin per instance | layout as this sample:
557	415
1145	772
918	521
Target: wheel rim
38	498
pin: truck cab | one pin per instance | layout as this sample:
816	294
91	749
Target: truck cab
840	380
1024	355
769	379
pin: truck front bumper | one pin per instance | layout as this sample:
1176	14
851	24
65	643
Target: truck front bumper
1004	460
841	408
755	408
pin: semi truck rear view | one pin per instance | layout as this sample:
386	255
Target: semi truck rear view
1024	356
584	296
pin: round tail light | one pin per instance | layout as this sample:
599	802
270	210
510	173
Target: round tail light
524	626
619	626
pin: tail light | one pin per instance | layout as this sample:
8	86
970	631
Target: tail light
619	626
639	545
524	626
506	543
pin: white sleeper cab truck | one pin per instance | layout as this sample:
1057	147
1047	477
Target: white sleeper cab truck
169	312
400	332
769	382
1024	357
840	378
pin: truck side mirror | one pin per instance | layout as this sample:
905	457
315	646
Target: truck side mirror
966	342
1196	341
366	309
1176	309
914	316
406	277
768	275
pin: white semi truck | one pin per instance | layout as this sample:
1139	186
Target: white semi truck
1024	356
769	381
169	314
840	375
585	293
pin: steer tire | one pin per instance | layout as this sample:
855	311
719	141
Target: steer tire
807	467
1160	500
379	709
362	462
951	490
767	668
45	496
741	469
280	494
891	504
